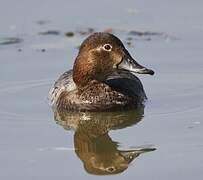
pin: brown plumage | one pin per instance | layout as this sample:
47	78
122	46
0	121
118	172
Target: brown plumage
101	79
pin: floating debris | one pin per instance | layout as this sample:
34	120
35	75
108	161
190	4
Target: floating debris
50	32
86	31
129	38
143	39
150	35
69	34
144	33
10	40
42	22
129	43
131	35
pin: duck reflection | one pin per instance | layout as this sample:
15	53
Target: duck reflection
93	145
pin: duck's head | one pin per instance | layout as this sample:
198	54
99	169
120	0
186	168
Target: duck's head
100	55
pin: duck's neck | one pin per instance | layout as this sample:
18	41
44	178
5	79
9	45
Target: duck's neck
87	68
82	71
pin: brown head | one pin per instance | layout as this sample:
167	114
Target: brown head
100	55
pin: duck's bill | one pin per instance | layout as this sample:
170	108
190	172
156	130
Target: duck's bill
129	64
132	154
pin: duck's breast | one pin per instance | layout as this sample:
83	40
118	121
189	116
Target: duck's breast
64	83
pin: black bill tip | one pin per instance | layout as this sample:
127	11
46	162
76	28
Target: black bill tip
151	72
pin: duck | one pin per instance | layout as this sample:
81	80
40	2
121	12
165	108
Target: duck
103	78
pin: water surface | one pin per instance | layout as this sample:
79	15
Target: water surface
35	146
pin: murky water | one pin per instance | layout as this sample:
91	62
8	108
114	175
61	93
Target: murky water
36	143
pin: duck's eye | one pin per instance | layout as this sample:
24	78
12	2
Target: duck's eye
107	47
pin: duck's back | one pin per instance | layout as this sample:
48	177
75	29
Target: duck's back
126	83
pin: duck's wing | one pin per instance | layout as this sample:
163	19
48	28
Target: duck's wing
123	82
64	83
126	83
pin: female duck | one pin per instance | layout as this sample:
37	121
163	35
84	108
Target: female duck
102	78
